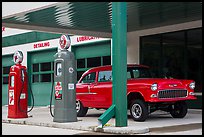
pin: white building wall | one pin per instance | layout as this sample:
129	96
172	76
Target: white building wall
10	31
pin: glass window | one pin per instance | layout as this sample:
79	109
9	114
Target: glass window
79	74
128	75
35	78
80	63
5	80
105	76
89	78
151	53
173	54
45	78
6	70
106	60
45	66
39	74
93	62
138	72
35	67
194	57
85	63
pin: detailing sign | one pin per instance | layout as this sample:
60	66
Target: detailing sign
40	45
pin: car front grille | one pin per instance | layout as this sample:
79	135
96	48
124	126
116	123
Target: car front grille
165	94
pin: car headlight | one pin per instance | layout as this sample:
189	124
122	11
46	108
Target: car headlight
192	85
154	87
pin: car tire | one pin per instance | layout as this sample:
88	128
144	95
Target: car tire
81	110
179	109
138	110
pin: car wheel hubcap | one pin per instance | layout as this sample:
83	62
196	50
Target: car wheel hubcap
77	105
136	110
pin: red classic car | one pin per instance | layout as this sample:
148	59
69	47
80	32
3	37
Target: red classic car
144	93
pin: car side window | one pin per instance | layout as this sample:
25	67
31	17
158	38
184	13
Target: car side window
136	73
89	78
105	76
129	75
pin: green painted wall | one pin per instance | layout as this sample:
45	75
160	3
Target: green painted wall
41	90
92	50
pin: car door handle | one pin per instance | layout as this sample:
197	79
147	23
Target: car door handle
95	84
89	89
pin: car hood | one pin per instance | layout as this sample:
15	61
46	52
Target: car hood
163	83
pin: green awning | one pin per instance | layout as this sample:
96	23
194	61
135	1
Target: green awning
95	17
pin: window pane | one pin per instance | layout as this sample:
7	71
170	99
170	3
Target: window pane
194	57
93	62
151	53
79	74
106	60
80	63
173	51
6	70
5	80
45	78
89	78
35	78
179	55
35	67
46	66
138	72
105	76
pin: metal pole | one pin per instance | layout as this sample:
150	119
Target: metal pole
119	61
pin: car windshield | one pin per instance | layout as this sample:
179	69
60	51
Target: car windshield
138	72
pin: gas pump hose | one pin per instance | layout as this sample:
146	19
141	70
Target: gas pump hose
51	98
31	96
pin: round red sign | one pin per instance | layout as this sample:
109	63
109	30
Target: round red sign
18	57
65	42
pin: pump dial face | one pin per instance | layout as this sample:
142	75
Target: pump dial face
18	57
65	42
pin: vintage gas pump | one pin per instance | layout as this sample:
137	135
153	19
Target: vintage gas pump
65	83
17	88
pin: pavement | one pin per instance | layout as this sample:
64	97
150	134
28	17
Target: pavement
159	120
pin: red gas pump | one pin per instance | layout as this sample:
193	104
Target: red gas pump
18	89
